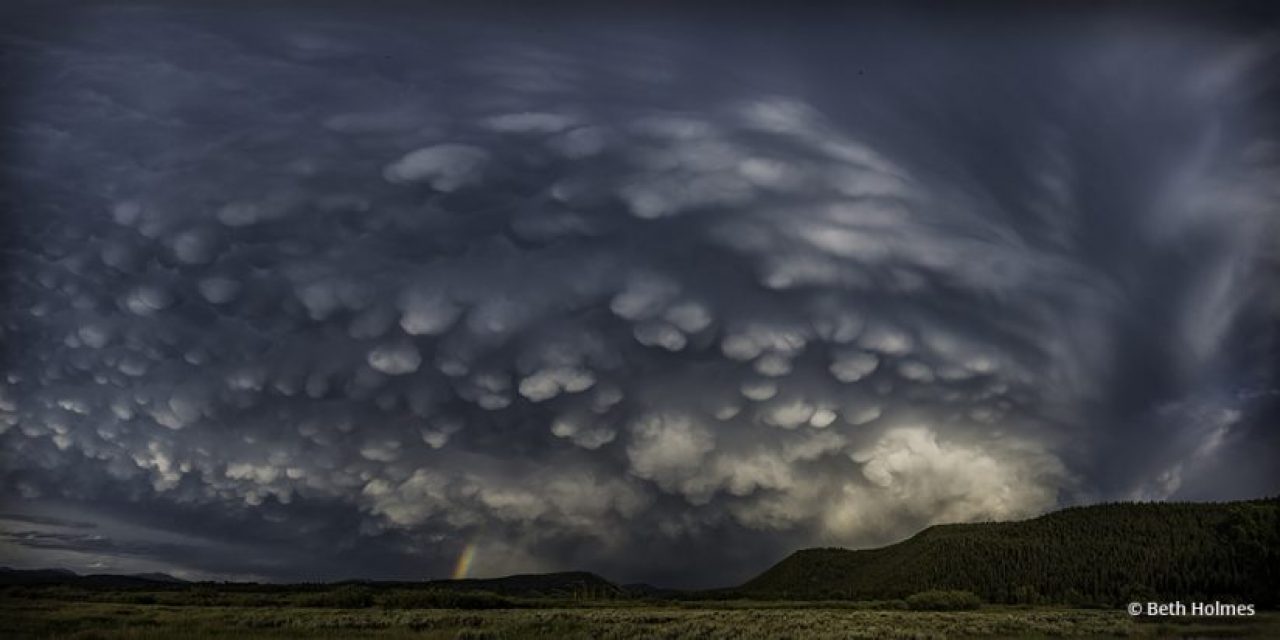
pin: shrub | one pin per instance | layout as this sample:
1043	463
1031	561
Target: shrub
443	599
345	597
475	634
896	605
1026	594
943	601
1138	592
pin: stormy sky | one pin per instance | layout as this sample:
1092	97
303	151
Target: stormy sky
311	292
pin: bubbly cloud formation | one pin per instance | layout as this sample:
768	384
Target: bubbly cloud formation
339	295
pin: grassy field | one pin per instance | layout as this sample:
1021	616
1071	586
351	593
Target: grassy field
47	618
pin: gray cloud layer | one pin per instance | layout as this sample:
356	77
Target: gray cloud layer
659	298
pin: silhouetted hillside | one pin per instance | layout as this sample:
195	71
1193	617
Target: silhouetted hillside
1104	554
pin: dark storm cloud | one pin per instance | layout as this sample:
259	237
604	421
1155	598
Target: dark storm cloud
45	520
320	542
91	543
342	293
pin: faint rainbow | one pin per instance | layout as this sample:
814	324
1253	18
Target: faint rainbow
463	567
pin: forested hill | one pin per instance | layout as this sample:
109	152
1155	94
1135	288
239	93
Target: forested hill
1105	554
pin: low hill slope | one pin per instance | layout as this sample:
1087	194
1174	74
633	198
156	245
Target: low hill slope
1105	554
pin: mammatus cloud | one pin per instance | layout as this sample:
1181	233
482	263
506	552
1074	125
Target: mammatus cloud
558	297
446	167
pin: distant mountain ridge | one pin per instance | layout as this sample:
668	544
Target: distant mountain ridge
9	576
1102	554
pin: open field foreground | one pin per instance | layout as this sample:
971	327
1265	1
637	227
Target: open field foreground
53	619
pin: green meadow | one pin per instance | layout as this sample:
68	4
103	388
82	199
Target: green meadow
32	618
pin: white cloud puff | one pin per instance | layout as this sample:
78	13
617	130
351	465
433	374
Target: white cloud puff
853	365
146	300
583	431
660	334
446	167
788	414
644	296
913	473
396	358
546	384
427	312
668	449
